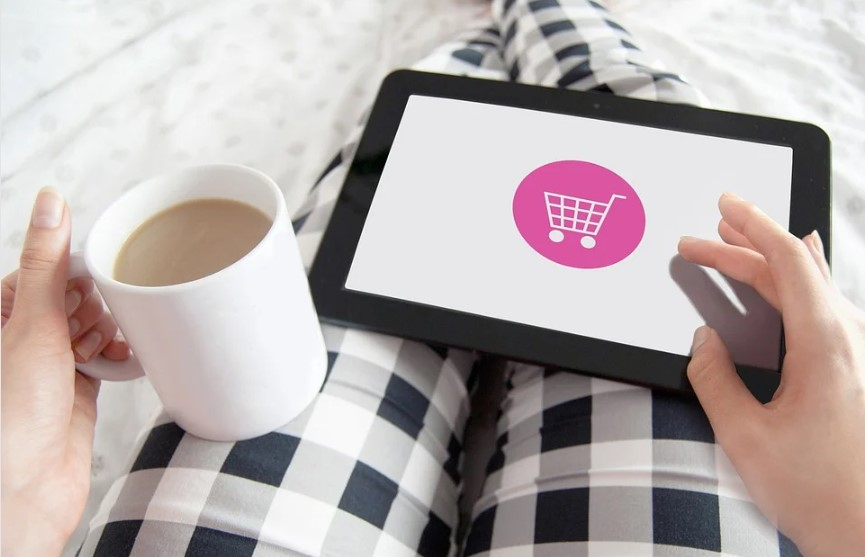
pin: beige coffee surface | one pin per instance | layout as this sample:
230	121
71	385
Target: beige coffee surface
189	241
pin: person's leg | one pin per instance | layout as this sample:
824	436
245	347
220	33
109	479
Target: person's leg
591	467
579	44
371	467
586	466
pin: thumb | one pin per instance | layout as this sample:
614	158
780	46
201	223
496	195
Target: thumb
725	398
45	258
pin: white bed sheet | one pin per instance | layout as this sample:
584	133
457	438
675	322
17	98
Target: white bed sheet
97	95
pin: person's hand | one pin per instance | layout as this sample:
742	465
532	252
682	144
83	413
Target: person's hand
48	409
802	455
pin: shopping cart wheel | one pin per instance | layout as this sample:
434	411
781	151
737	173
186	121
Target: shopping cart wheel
556	236
587	242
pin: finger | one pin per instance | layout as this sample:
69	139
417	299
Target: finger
95	340
89	313
39	291
729	405
815	247
800	287
117	349
8	295
77	290
730	236
818	241
738	263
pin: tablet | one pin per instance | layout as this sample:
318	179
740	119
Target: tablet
541	225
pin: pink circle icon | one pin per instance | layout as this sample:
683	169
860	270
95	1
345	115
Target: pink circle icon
579	214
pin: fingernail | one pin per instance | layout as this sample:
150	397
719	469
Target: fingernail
74	326
88	345
48	209
818	241
73	298
122	343
701	335
688	240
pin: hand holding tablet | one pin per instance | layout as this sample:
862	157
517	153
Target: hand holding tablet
800	452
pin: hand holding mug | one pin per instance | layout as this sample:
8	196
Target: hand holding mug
49	410
214	379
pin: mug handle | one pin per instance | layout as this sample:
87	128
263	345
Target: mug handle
101	367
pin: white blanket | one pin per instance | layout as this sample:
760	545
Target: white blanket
97	95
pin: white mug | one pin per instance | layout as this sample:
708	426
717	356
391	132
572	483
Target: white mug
232	355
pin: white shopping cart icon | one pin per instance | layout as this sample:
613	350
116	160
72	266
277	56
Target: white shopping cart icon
575	214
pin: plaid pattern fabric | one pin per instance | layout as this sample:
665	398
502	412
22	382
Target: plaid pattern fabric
583	466
371	467
578	44
586	466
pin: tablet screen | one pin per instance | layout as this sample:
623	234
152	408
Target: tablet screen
567	223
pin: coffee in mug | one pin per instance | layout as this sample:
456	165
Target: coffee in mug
189	241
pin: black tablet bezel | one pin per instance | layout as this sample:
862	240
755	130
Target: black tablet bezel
809	210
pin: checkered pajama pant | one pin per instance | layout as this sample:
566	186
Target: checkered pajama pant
582	466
